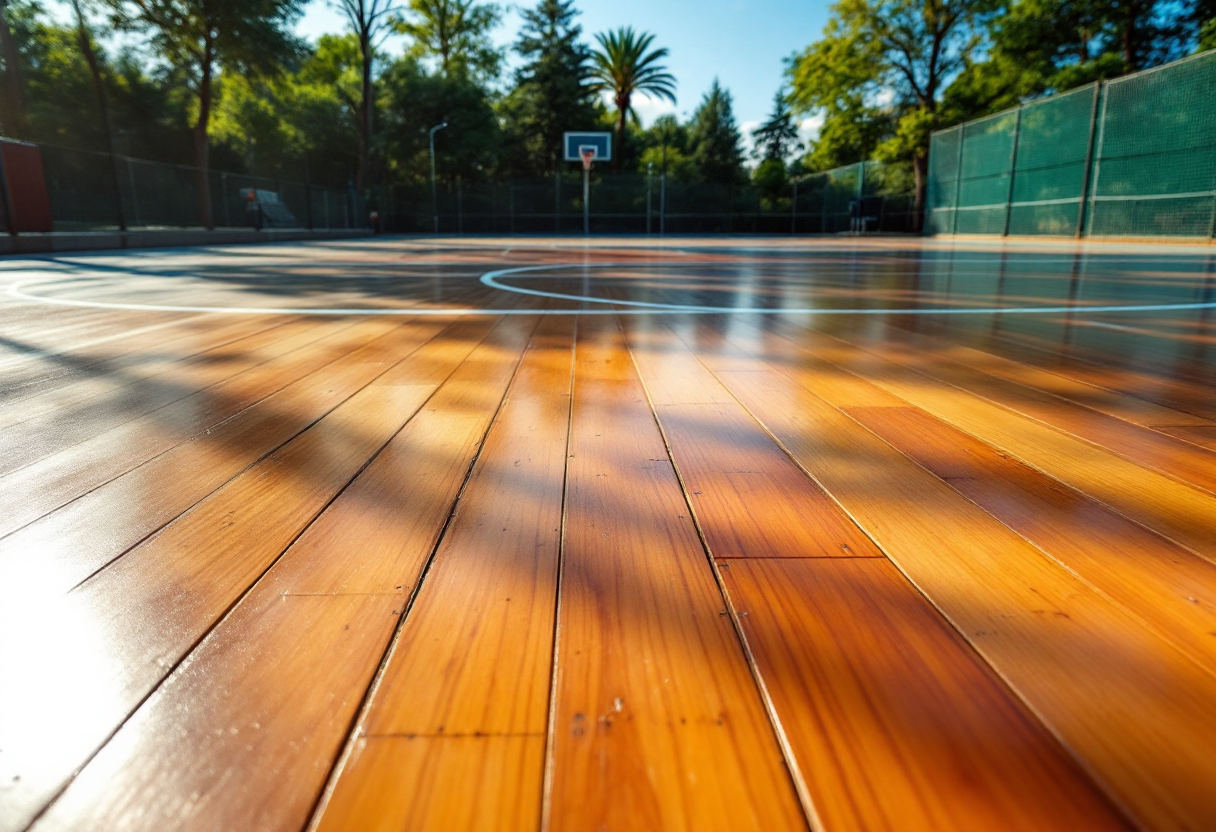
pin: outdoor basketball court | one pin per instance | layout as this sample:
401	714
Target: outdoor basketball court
633	534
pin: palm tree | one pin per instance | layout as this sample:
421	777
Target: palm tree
623	66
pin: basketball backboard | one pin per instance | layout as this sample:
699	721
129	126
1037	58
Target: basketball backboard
575	143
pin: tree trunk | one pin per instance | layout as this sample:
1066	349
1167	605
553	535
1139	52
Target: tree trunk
622	105
920	164
14	116
365	112
90	57
1130	32
202	143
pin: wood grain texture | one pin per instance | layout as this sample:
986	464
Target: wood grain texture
63	548
39	488
241	753
896	724
864	674
1182	513
1164	585
40	436
1113	403
1201	436
473	659
1138	444
295	742
430	770
1079	662
732	469
657	722
115	368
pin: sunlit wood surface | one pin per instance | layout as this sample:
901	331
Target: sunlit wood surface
528	534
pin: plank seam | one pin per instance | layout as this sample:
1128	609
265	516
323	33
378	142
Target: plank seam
339	764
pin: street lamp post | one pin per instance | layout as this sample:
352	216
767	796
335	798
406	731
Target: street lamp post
434	193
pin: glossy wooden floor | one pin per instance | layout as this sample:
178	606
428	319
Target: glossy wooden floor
533	535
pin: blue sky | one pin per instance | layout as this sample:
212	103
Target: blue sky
741	42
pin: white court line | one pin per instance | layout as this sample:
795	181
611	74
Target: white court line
491	279
617	307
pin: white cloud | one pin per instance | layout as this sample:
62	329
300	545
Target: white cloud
808	128
648	108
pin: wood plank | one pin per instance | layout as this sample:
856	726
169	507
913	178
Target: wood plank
895	722
892	720
1163	388
397	520
1113	403
1150	449
195	756
1167	587
58	551
731	468
111	369
657	721
1180	512
40	488
34	439
1203	437
433	769
1079	662
473	660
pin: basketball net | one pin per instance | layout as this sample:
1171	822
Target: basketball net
588	157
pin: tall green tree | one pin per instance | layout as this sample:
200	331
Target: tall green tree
302	123
1048	46
665	150
777	137
413	97
625	65
552	93
456	33
201	36
371	21
714	138
891	58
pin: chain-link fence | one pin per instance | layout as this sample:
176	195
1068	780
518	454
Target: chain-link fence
866	197
1131	157
96	192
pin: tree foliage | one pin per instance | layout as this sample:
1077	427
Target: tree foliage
777	137
552	91
880	72
456	33
625	65
200	37
714	138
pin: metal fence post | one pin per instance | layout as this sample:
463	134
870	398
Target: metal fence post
1089	161
1013	170
557	202
511	204
827	192
134	193
459	205
649	201
794	208
663	204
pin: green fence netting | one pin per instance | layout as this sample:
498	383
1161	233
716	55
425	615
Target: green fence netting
1131	157
92	192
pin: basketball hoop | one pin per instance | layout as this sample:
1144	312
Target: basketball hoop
588	155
